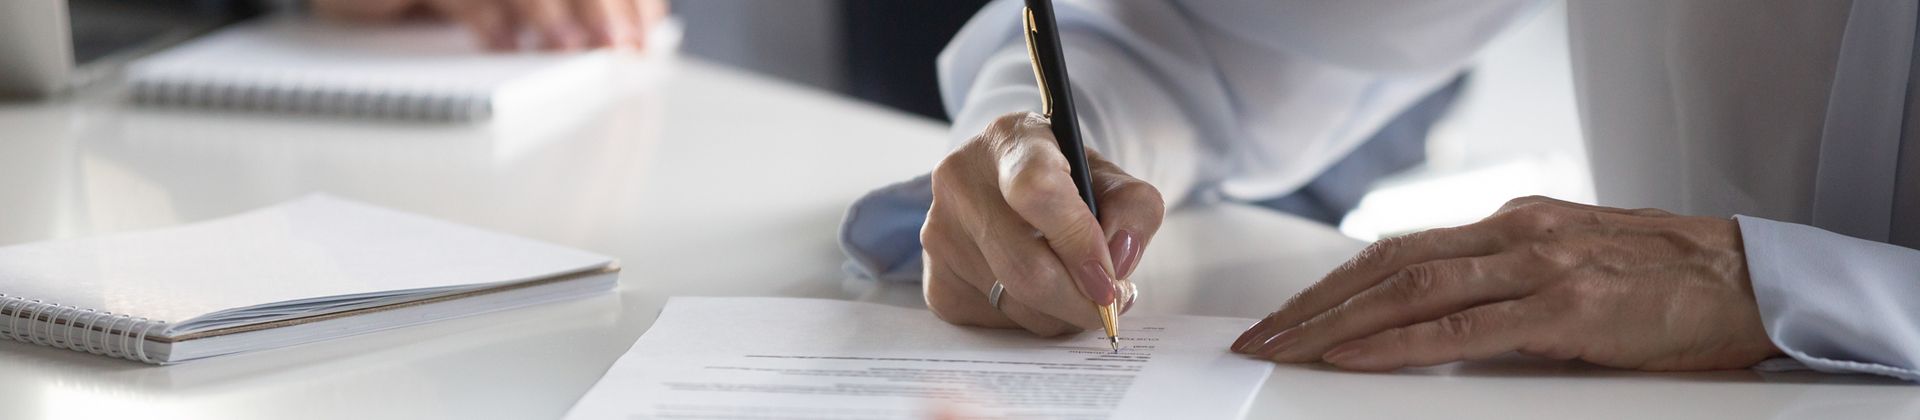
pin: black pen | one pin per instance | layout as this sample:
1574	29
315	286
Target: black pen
1056	103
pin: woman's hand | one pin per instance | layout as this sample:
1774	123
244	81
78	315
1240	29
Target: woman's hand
1005	209
558	24
1641	289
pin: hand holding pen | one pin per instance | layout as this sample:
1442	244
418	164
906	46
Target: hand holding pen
1008	217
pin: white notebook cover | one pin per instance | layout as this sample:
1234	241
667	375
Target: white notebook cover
411	70
310	256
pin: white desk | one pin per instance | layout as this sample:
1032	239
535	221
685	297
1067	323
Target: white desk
704	181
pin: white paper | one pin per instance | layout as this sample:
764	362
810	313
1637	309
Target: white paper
315	247
810	358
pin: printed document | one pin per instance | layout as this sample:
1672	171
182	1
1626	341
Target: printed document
812	358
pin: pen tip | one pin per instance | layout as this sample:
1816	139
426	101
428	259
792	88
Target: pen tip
1115	342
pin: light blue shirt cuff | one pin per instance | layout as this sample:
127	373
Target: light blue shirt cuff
1833	302
881	232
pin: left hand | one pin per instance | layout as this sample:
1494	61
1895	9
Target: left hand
1640	289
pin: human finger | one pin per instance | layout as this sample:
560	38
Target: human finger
1020	258
956	301
1371	266
365	10
1130	212
1476	333
1036	183
959	283
609	23
490	21
1420	292
554	22
648	14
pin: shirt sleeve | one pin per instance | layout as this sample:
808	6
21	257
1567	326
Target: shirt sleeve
1190	94
1833	302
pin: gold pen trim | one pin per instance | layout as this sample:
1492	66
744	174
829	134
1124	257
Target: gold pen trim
1109	314
1110	317
1033	56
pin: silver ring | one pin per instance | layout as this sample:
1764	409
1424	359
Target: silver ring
993	295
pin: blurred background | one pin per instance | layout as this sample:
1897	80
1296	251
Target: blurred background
1514	132
876	50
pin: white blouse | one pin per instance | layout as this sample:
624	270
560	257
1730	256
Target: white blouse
1789	113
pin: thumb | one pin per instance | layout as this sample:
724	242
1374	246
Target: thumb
1036	183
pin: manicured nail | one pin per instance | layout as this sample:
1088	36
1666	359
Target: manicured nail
1280	343
1126	248
1095	283
1259	329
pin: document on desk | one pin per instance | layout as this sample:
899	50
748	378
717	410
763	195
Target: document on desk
811	358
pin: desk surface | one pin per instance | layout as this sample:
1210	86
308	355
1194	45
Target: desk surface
695	203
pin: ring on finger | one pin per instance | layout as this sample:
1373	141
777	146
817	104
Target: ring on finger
993	295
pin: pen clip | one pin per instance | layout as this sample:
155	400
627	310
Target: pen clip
1033	53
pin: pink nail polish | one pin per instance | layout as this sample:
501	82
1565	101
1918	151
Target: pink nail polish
1125	247
1259	329
1095	283
1280	343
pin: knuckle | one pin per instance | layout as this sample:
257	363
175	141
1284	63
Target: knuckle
936	244
1143	197
944	305
1457	325
1413	284
1009	122
1550	255
1530	219
956	170
950	169
1379	251
1036	182
1518	202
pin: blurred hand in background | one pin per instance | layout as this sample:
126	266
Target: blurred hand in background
499	24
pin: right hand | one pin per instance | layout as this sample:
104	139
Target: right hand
1005	208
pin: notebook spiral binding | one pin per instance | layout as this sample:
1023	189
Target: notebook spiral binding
79	329
306	97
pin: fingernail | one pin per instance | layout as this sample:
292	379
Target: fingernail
1125	247
1343	355
1259	329
1095	283
1280	343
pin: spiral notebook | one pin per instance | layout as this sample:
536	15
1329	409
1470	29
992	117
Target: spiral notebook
427	71
312	269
